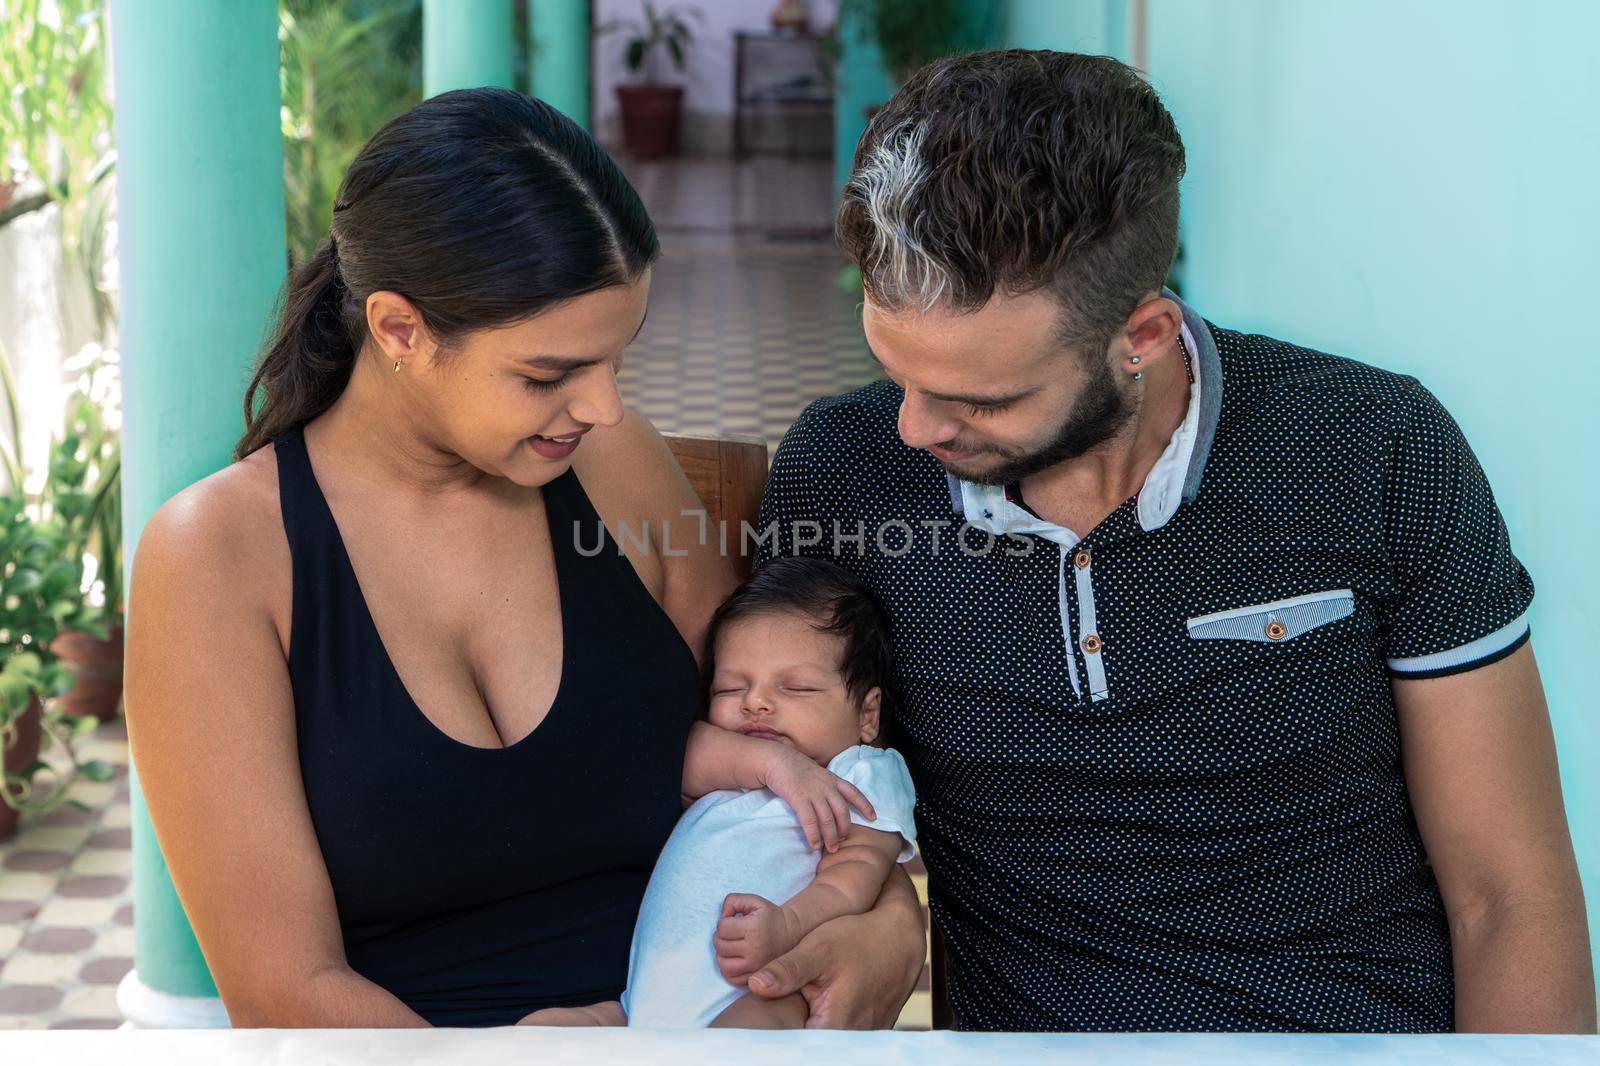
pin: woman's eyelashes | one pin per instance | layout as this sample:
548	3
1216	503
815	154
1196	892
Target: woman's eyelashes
552	384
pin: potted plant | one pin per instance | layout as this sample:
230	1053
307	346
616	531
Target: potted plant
652	111
83	490
40	583
42	550
39	586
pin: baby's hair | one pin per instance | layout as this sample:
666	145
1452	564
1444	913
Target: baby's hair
835	601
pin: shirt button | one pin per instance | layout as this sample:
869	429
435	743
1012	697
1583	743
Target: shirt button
1081	559
1276	630
1091	645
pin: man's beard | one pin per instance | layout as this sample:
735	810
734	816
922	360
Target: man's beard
1097	414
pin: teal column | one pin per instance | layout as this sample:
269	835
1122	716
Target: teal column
861	82
560	61
201	248
466	43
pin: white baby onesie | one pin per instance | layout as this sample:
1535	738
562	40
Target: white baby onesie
737	841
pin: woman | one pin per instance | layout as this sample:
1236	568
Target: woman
409	753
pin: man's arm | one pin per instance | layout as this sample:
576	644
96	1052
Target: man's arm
753	930
1480	765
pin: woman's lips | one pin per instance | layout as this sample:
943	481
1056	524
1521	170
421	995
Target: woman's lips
556	447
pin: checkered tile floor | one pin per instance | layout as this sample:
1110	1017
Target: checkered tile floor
66	911
747	324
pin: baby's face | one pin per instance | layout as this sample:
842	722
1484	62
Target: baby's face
777	678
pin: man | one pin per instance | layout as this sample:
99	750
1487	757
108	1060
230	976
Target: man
1214	669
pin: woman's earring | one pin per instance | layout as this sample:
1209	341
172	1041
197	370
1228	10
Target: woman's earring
397	365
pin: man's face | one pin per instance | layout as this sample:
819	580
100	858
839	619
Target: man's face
995	395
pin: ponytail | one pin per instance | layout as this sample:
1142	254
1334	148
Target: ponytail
305	366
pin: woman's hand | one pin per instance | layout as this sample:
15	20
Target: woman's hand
856	972
607	1013
819	798
751	933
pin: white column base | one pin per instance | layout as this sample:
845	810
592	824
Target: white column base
145	1008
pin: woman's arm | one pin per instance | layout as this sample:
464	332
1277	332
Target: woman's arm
635	483
753	931
211	724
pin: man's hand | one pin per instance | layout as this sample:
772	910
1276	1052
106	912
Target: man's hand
607	1013
856	972
751	933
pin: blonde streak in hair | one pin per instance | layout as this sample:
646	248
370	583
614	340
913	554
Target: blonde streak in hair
901	269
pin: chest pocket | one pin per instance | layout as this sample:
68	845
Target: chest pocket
1275	622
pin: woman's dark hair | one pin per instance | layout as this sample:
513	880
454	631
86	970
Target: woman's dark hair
835	601
483	207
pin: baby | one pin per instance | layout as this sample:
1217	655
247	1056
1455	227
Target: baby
799	658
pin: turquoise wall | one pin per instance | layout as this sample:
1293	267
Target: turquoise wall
1095	27
1414	184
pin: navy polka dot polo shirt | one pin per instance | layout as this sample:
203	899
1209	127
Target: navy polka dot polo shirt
1158	764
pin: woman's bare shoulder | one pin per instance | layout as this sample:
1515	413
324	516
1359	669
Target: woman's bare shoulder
629	469
225	528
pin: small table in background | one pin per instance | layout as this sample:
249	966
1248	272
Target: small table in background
786	74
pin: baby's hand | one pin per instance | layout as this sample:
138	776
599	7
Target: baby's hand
753	931
817	797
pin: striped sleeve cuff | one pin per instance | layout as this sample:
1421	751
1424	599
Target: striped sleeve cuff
1480	652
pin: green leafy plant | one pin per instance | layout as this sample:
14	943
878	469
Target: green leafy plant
44	537
912	33
663	32
55	126
348	67
83	488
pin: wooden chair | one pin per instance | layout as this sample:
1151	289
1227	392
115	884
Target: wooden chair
729	474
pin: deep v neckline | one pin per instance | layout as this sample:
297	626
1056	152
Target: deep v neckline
392	673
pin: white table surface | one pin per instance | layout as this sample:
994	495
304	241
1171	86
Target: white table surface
595	1047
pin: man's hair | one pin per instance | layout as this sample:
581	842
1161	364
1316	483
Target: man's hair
1012	171
834	601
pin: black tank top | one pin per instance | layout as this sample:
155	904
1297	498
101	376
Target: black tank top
480	884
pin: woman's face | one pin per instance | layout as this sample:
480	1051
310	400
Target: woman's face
515	401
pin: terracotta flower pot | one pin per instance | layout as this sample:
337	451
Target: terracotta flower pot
96	666
23	751
650	118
